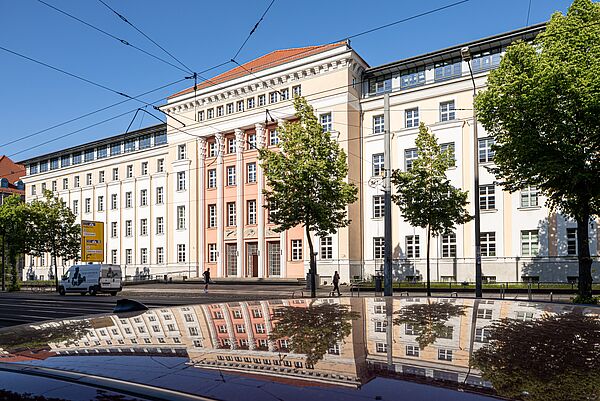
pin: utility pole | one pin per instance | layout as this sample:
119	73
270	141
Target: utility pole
387	205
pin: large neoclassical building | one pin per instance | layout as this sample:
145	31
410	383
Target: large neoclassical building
187	195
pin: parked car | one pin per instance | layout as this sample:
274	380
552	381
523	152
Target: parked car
92	278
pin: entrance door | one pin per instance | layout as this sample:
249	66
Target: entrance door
252	259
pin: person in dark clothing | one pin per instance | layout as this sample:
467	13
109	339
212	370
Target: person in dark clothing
206	275
336	283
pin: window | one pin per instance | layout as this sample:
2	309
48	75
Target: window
378	248
181	152
380	309
88	205
257	313
231	148
447	69
412	350
160	138
251	141
378	206
219	111
486	153
201	115
274	137
115	174
144	168
412	77
229	108
212	149
240	106
486	60
326	248
44	164
53	186
212	216
145	142
409	330
251	211
54	163
412	246
181	217
447	112
88	179
482	335
76	182
230	175
381	347
296	249
128	228
284	94
380	326
445	354
160	225
143	258
449	245
101	203
113	256
43	187
128	256
129	171
75	206
378	124
64	186
113	229
529	196
101	176
411	118
529	243
33	192
160	255
160	195
210	113
211	182
65	161
572	241
129	145
487	197
334	349
251	172
296	90
326	122
488	243
274	258
128	199
33	169
261	100
144	197
259	328
380	84
484	313
378	164
231	259
231	217
410	155
160	165
143	226
524	316
212	253
181	180
180	253
273	97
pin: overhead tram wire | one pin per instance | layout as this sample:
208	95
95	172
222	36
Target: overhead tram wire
253	29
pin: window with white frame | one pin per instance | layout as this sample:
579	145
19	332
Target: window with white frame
445	354
128	171
530	245
128	256
378	164
201	115
128	228
231	145
211	182
262	100
181	152
212	216
143	226
160	225
381	347
113	229
274	137
378	206
100	177
334	349
486	153
296	90
144	168
572	241
115	175
144	256
230	175
220	111
487	197
412	350
251	211
296	249
251	141
488	243
181	181
378	248
449	245
181	217
378	124
284	94
114	203
88	205
483	313
212	149
251	172
326	122
212	253
75	207
273	97
409	330
160	195
128	199
76	179
160	165
113	256
482	335
88	181
410	155
144	197
380	326
231	216
101	203
413	250
181	255
447	111
229	108
54	186
529	196
240	106
326	247
33	192
250	103
411	118
65	184
524	316
274	258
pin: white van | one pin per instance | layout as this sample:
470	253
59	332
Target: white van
91	278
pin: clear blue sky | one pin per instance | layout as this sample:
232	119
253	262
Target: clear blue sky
201	34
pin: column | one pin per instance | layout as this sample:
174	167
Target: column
283	234
229	323
201	206
248	324
260	141
220	138
239	175
268	325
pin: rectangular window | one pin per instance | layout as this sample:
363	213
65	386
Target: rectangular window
411	118
211	181
231	216
378	206
113	256
143	226
378	124
488	243
229	108
144	168
128	228
240	106
181	217
54	163
76	182
230	175
160	165
274	258
129	145
296	90
326	122
447	111
445	355
412	77
181	256
486	60
273	97
410	155
449	245
160	195
447	69
378	165
101	203
296	249
44	164
380	326
115	149
65	184
88	205
381	347
65	161
101	176
201	115
251	141
482	335
53	186
88	155
144	197
143	257
487	197
251	211
484	313
160	225
113	229
181	152
412	350
210	113
529	196
75	207
378	248
219	111
88	179
326	248
33	191
413	249
160	138
212	216
212	253
144	142
128	256
129	171
261	100
251	172
274	137
284	94
529	242
181	181
33	169
572	241
486	153
128	199
115	174
231	145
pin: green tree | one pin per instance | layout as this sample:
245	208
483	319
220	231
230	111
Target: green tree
306	179
14	229
541	107
424	194
54	230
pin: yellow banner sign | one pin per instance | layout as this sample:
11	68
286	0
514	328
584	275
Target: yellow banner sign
92	241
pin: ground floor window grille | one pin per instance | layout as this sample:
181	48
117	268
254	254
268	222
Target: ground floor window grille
274	250
231	250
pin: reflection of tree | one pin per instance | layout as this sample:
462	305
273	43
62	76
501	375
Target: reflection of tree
554	358
40	337
429	320
313	330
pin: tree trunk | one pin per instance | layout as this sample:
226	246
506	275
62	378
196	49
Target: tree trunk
584	285
313	266
428	269
12	261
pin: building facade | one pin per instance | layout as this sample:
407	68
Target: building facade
182	197
10	179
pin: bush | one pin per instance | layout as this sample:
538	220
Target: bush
586	300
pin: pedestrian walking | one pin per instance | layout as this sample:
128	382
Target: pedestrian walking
336	283
206	275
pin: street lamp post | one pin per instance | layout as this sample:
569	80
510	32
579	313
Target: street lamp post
466	56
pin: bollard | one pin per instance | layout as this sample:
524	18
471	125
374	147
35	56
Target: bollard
550	296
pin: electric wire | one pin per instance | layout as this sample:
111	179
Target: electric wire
253	29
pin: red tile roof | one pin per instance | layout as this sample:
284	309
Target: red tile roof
273	59
11	170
